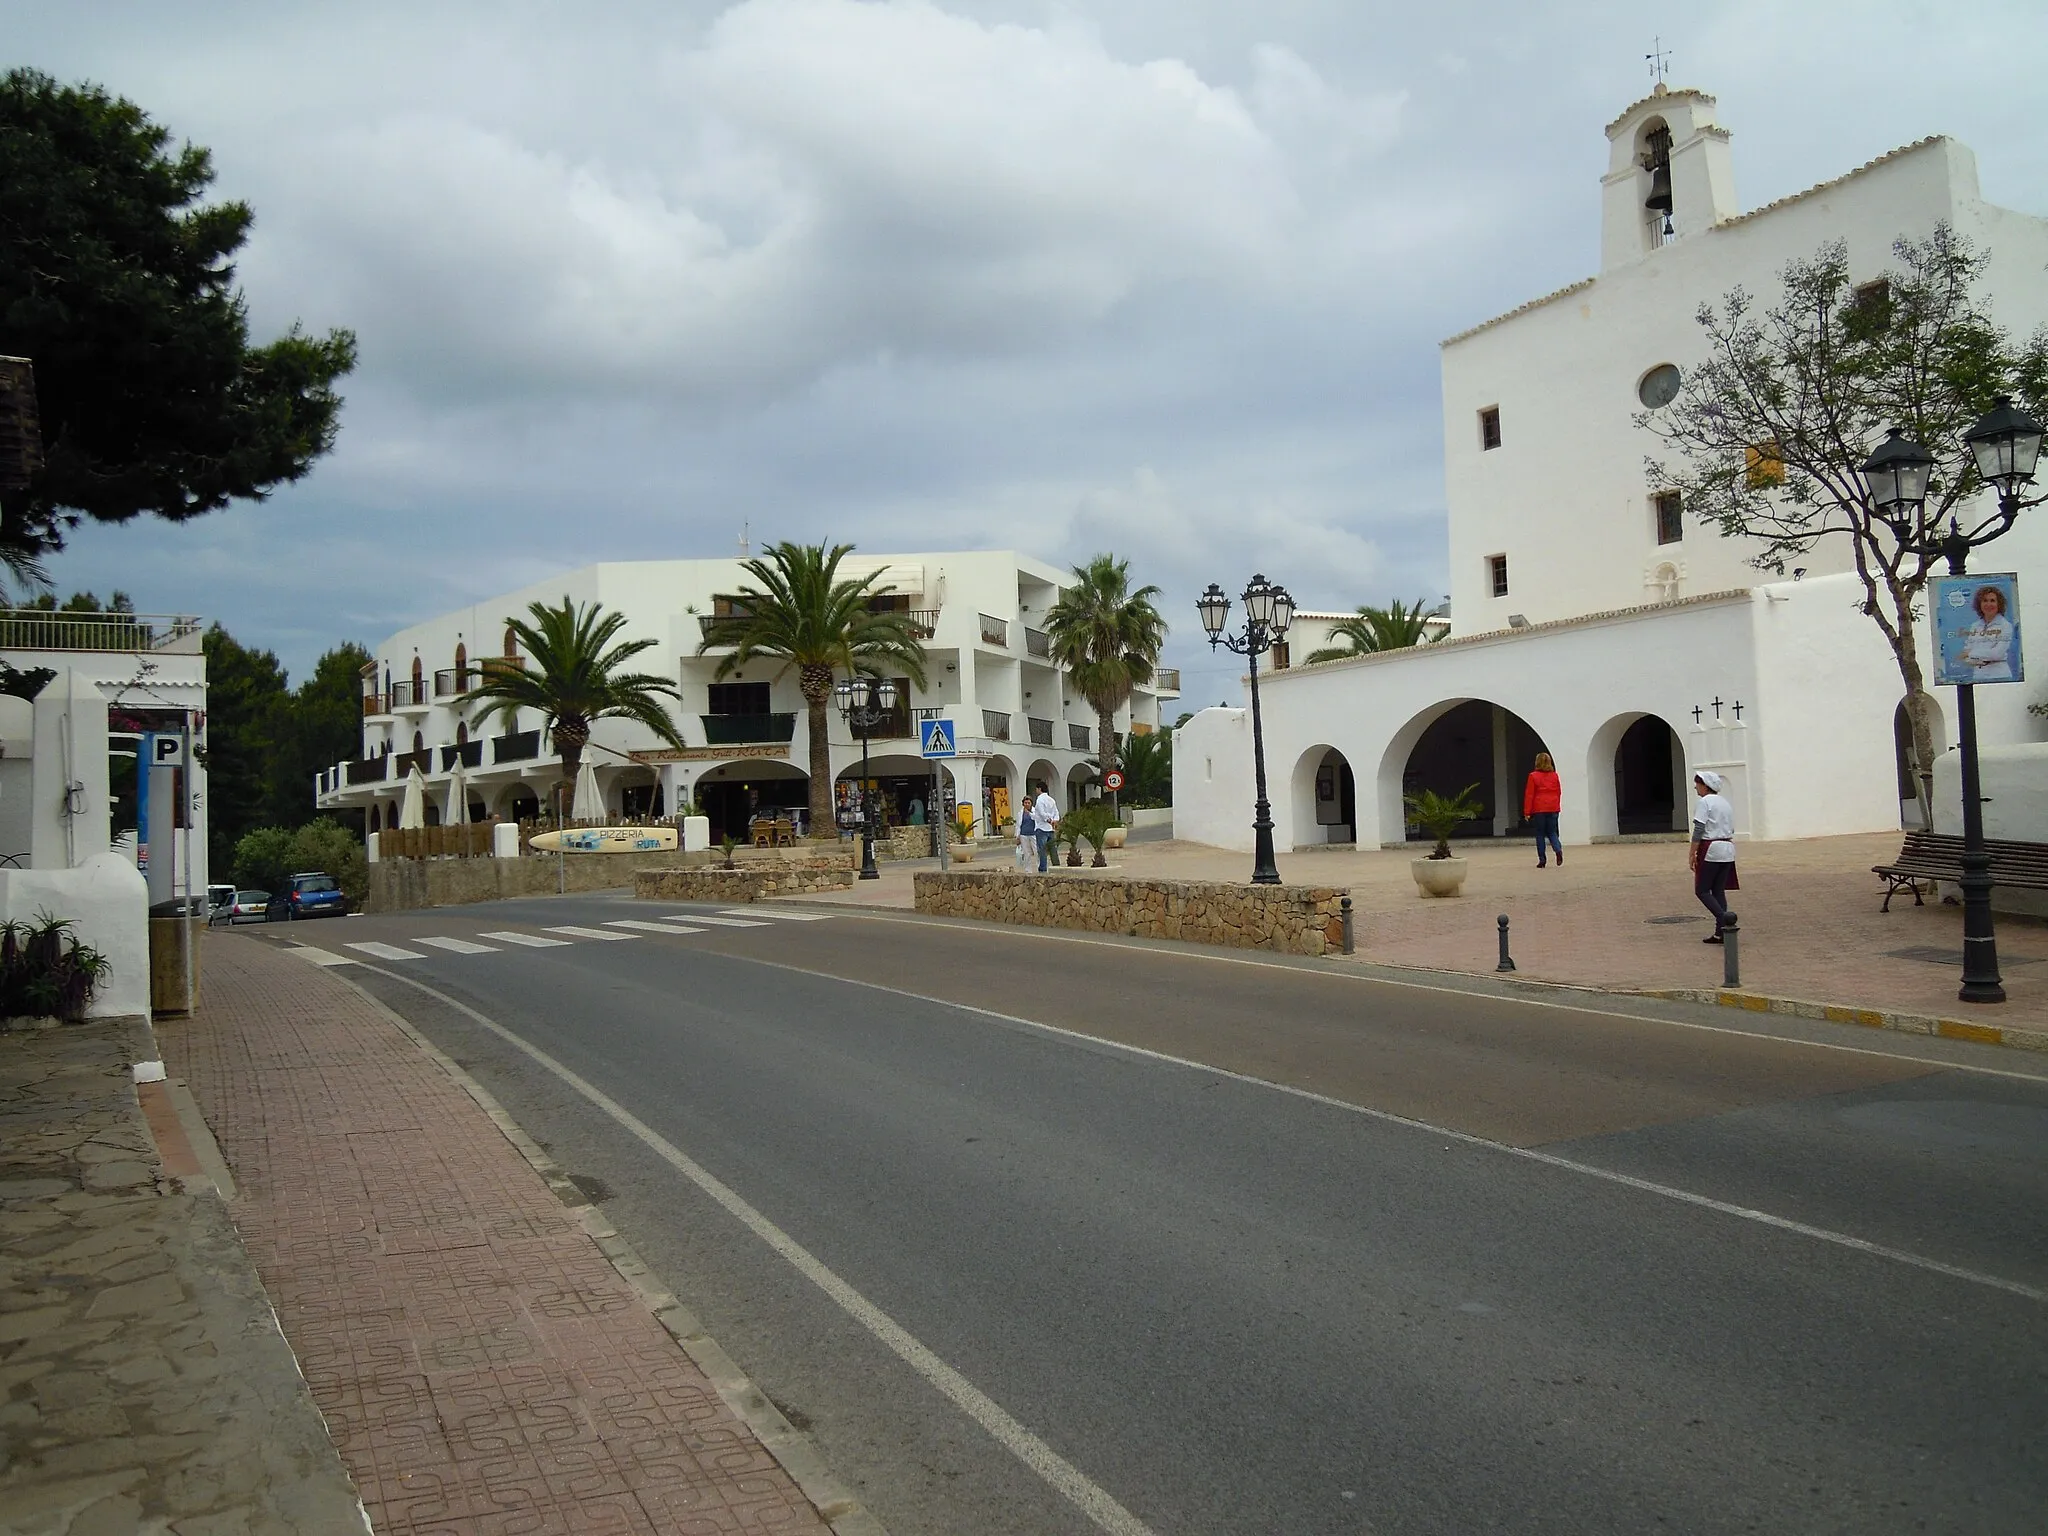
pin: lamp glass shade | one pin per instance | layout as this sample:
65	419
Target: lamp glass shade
1283	611
1258	601
1214	608
845	689
885	694
1897	475
2007	445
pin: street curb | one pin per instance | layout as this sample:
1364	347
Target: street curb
1869	1018
791	1447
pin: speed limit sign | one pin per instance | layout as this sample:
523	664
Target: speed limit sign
1113	780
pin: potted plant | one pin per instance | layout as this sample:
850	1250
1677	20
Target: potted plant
963	836
1440	873
1089	824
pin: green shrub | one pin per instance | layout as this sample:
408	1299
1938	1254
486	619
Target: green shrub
269	856
45	970
1441	815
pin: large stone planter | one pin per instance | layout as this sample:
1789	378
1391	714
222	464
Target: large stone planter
1113	838
963	853
1438	877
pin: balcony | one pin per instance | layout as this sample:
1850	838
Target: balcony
1166	680
515	747
1078	738
450	681
42	629
490	664
469	753
924	622
403	763
747	730
892	726
995	631
375	704
368	770
1037	642
406	696
1041	731
995	725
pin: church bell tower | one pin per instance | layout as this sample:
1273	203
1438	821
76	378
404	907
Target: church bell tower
1669	175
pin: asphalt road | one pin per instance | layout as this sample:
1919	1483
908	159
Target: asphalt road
1369	1256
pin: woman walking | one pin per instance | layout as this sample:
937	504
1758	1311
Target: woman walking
1541	798
1713	851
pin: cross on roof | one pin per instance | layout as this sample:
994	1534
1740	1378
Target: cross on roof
1716	702
1659	59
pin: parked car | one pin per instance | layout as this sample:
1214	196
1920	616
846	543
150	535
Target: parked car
241	907
218	896
308	895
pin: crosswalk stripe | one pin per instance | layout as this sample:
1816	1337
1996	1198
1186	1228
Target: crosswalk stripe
646	927
388	951
787	917
589	933
530	940
729	922
460	946
321	956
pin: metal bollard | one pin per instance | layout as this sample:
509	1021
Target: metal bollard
1731	958
1507	962
1344	912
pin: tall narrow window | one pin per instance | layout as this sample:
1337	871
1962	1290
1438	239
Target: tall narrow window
1497	574
1489	427
1670	517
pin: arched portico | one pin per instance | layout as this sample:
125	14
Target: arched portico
1454	744
1905	758
1322	799
1636	779
1043	774
1080	779
1000	786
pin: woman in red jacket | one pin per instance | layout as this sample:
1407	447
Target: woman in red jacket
1541	797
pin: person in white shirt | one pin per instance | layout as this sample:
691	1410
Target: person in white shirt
1987	644
1713	850
1045	815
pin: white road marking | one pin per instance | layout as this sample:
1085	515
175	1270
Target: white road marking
787	917
460	946
1089	1497
1527	1154
649	927
728	922
387	951
530	940
589	933
321	956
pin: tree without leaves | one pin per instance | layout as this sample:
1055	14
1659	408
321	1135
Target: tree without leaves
1109	639
116	282
1771	428
1371	630
806	615
576	679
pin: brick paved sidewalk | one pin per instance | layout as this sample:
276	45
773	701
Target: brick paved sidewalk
482	1366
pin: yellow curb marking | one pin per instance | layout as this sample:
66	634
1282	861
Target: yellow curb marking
1984	1032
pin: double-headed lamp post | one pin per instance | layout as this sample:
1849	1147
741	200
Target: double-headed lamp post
1268	610
2006	444
866	702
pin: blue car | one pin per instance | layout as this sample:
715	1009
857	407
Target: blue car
311	895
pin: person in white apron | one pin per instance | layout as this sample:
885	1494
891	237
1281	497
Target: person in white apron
1713	850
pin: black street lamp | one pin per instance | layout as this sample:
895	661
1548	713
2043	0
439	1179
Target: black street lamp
1268	610
866	702
2007	444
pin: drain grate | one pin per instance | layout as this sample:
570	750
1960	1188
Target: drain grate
1678	917
1929	954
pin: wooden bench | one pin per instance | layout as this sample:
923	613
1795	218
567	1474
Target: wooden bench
1938	856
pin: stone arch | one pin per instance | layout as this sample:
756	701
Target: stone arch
376	816
419	676
517	801
1636	779
1322	799
1000	784
1043	774
462	733
461	663
1079	778
1902	754
1449	745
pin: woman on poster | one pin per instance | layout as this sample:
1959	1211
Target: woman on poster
1987	643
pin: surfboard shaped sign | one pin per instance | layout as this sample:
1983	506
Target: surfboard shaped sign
606	840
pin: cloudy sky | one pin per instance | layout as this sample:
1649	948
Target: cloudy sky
1164	277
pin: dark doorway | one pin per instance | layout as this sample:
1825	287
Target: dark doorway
1645	797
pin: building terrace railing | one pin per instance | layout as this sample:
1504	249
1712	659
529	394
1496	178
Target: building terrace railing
374	704
995	631
924	622
747	730
450	681
1078	738
403	763
515	747
1037	642
995	725
1041	731
1166	679
41	629
409	695
469	753
368	770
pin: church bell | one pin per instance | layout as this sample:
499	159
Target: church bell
1660	189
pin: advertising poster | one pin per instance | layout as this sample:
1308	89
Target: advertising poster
1977	629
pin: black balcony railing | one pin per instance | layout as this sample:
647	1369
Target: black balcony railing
407	695
469	753
403	763
747	730
369	770
450	681
1041	731
892	725
515	747
1078	738
1037	642
994	631
995	725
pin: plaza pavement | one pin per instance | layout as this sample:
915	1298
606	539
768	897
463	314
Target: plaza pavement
1811	924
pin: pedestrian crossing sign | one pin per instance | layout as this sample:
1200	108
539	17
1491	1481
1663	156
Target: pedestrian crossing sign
938	738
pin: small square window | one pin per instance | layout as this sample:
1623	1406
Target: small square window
1670	517
1489	427
1497	574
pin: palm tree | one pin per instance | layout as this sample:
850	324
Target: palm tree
1108	638
577	678
822	624
1392	628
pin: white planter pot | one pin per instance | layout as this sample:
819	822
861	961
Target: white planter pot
1113	838
1438	877
963	853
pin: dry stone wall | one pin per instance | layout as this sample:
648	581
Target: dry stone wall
1291	919
405	885
749	883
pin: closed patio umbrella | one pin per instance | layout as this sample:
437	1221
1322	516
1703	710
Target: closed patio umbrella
412	811
457	812
588	804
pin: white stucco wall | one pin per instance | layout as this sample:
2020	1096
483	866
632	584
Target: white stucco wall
108	905
1212	779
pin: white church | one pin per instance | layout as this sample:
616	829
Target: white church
1589	618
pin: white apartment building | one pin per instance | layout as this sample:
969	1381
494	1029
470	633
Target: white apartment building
1018	720
1592	619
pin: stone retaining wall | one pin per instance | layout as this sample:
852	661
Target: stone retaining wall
405	885
748	883
1293	919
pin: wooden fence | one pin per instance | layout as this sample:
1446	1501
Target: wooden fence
471	840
